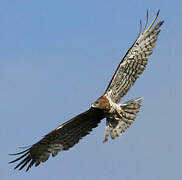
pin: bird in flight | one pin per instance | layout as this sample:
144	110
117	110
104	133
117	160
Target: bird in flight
119	116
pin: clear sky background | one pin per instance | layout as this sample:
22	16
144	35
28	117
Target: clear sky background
57	57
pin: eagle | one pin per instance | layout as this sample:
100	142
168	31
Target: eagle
119	116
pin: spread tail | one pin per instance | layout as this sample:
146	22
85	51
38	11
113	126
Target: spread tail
117	125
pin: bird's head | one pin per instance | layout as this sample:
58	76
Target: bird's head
101	103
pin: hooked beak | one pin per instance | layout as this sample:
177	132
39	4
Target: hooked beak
93	106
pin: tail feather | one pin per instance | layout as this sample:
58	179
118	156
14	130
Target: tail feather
116	126
131	108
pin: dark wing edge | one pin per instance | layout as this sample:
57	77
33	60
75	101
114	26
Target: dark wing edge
62	138
134	61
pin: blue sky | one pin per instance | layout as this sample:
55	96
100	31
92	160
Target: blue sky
58	57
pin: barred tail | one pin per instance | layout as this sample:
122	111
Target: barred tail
117	125
131	108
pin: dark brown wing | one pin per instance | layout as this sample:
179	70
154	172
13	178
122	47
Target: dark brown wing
62	138
134	62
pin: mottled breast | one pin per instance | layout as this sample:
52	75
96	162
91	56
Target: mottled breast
102	103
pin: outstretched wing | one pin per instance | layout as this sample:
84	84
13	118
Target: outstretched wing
62	138
134	62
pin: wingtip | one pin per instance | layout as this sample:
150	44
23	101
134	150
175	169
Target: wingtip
140	30
161	22
146	21
19	152
147	14
140	25
158	12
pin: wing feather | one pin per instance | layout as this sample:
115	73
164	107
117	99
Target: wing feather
134	62
62	138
